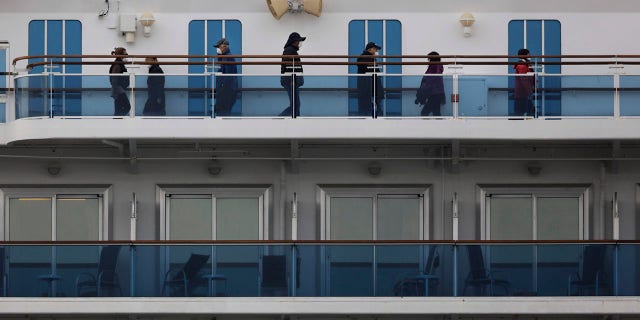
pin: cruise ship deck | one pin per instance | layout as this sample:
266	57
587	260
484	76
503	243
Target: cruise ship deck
206	191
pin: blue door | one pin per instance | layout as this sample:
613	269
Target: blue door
203	34
388	35
541	37
55	37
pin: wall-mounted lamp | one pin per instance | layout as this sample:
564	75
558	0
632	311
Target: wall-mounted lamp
147	20
467	20
214	168
374	168
54	168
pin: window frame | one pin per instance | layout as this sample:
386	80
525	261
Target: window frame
535	192
263	192
55	192
324	193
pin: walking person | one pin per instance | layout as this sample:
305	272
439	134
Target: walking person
524	85
155	105
293	82
367	84
226	86
119	83
431	91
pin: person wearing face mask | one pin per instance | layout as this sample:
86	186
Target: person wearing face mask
431	91
226	86
366	84
155	105
119	83
292	82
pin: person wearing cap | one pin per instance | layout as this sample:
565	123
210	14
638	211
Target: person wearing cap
366	84
119	83
155	105
226	86
291	65
431	91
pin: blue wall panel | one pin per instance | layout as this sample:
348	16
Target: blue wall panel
552	44
516	42
36	47
197	104
54	46
357	42
73	45
393	46
233	33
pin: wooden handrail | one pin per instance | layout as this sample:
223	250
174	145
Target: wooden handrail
454	59
322	242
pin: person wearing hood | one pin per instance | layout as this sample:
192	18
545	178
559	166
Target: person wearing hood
293	82
119	83
524	85
226	86
366	84
155	105
431	91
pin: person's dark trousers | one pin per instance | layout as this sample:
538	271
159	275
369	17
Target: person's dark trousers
432	106
523	106
225	99
365	95
121	105
294	98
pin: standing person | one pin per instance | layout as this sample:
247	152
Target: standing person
524	85
119	83
431	91
366	84
226	86
292	65
155	105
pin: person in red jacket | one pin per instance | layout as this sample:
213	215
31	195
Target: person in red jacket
524	86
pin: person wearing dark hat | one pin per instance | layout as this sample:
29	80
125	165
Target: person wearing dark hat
291	65
366	84
431	91
226	86
119	83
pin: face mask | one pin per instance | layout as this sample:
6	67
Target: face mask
300	45
218	51
126	60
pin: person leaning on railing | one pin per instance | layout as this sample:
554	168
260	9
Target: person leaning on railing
119	83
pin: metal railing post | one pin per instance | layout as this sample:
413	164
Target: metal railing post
132	101
132	271
455	269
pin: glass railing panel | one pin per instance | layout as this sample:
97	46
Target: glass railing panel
66	271
556	264
629	95
574	96
349	270
498	270
31	96
158	95
417	96
325	96
256	96
627	274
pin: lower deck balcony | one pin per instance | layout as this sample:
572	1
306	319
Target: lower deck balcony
336	278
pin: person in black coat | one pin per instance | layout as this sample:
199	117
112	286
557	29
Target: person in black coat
226	86
155	105
367	83
119	83
291	83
